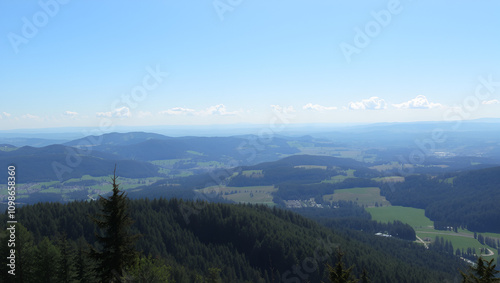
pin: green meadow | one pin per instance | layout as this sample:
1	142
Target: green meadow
413	216
251	194
369	196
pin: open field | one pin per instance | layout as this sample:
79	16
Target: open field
252	194
368	196
328	150
412	216
177	168
389	179
346	174
424	227
93	186
458	240
249	173
389	166
168	162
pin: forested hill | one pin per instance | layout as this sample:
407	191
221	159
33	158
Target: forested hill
149	147
467	199
298	160
247	243
58	162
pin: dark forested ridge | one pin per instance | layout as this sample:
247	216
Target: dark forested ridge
93	155
148	147
58	162
465	199
246	243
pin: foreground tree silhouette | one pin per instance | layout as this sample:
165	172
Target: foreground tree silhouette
117	243
483	271
339	274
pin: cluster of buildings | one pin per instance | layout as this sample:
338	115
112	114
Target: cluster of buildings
302	203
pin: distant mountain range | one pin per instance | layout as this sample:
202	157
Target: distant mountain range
58	162
139	154
96	155
44	137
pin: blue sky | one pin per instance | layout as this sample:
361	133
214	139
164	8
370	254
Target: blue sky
82	63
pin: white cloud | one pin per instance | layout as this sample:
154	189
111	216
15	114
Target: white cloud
281	109
178	111
419	102
70	114
491	102
103	114
121	112
372	103
318	107
29	116
143	114
7	115
217	110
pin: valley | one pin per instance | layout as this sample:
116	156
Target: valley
350	187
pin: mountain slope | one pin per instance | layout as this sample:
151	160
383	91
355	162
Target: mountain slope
58	162
468	199
149	147
116	139
248	243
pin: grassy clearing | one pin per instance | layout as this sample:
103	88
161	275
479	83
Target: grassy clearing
449	180
168	162
413	216
252	194
299	144
389	179
52	190
336	179
102	185
424	227
250	173
346	174
209	164
331	151
368	196
389	166
458	240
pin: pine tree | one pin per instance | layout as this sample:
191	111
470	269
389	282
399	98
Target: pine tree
67	270
85	266
118	251
364	277
213	275
483	271
148	269
47	256
339	274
